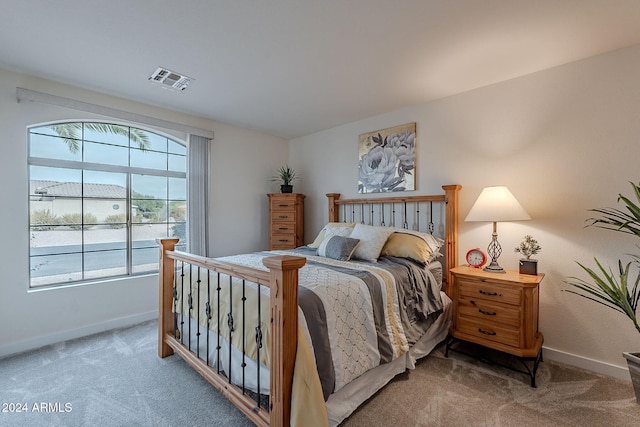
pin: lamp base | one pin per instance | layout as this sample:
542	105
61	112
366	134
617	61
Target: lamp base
494	250
494	268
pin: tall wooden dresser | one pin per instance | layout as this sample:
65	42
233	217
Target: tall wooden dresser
286	220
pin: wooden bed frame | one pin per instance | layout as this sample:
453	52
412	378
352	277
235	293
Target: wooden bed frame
282	279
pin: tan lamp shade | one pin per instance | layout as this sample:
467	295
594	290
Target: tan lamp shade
497	204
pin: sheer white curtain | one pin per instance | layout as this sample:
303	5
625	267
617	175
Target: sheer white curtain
197	198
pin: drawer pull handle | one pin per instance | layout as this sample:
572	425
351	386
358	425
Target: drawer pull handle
282	216
491	294
283	206
283	240
486	313
282	228
482	331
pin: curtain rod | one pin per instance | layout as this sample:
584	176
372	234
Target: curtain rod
46	98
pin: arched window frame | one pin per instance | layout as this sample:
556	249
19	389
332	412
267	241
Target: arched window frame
47	268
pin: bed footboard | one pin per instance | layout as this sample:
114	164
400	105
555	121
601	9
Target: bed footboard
282	281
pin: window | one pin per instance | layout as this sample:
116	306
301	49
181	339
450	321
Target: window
99	196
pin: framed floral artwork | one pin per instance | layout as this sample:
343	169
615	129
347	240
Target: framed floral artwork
387	160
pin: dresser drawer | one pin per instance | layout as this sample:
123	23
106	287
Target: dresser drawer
481	309
283	228
478	289
284	216
490	331
283	241
279	204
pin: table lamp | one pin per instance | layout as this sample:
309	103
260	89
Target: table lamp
496	204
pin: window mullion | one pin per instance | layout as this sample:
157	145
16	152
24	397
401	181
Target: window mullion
129	227
82	233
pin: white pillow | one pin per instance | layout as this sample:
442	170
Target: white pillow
334	229
372	239
344	231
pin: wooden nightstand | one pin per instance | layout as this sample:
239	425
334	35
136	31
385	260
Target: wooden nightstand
499	311
286	220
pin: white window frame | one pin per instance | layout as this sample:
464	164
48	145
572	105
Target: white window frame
128	170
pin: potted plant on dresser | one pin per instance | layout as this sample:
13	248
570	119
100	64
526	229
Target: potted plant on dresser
619	291
285	176
528	247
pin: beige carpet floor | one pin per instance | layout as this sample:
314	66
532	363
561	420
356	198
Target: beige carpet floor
116	379
462	391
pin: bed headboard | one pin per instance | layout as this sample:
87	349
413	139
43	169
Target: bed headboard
436	214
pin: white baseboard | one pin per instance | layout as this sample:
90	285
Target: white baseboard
620	372
31	344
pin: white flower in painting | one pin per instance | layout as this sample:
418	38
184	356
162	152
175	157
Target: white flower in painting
404	148
377	169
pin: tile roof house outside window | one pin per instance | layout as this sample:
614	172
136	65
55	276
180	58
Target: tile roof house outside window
100	198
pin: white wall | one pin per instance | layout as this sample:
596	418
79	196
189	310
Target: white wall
563	140
241	172
242	162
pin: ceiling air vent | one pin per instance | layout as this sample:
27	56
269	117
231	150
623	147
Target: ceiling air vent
170	79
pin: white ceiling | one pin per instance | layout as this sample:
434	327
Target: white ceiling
294	67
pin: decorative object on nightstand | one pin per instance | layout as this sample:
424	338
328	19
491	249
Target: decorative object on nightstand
620	292
529	246
476	258
499	312
496	204
285	176
286	220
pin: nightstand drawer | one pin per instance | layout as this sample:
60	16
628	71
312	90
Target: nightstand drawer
490	331
481	309
478	289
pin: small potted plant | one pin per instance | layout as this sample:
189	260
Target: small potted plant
619	290
529	246
285	176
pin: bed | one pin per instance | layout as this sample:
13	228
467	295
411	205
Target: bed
305	336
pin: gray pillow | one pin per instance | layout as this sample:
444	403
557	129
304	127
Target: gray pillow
338	247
